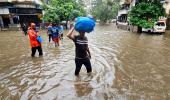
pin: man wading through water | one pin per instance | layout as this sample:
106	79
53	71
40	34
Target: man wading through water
49	32
33	40
83	55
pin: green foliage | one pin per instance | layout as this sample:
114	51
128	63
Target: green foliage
51	16
63	10
150	1
105	10
145	14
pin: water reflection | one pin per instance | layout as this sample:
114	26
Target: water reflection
82	88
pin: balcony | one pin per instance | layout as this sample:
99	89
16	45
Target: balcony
164	1
5	4
39	2
4	11
123	11
25	11
125	6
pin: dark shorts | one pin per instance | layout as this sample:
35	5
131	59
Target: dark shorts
79	62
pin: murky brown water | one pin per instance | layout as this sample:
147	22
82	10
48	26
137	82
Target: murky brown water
126	66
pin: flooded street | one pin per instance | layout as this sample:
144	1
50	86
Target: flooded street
126	66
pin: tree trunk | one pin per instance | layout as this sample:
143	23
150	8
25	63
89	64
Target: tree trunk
139	29
67	24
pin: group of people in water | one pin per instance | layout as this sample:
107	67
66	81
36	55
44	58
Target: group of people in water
55	32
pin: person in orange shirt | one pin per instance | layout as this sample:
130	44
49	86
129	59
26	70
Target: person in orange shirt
33	40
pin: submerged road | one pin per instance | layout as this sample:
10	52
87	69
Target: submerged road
126	66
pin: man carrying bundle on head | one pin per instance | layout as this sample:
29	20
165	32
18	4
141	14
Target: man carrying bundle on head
83	55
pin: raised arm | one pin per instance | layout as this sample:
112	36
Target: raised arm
70	34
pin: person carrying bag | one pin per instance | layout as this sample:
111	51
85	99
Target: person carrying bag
35	40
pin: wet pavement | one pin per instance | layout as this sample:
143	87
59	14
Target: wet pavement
126	66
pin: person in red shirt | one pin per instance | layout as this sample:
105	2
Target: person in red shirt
33	40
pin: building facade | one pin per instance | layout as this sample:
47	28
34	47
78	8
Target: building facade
166	4
122	17
125	6
17	12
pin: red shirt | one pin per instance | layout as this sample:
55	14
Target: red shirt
33	38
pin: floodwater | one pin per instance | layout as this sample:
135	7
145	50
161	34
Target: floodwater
126	66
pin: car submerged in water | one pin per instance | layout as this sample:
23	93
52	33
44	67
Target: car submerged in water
159	27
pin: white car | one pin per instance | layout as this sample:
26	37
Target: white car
159	27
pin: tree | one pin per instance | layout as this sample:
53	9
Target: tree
63	10
105	10
146	13
51	16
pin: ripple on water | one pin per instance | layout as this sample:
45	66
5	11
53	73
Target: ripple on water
126	66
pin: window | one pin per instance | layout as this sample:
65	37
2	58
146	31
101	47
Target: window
160	24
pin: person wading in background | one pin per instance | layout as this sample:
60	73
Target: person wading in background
49	32
24	29
61	31
55	34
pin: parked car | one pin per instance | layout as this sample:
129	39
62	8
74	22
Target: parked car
159	27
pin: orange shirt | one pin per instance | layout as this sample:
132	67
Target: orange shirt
33	38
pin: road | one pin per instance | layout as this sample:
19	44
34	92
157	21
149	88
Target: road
126	66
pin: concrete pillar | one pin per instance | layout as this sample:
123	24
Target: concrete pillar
168	23
11	20
1	21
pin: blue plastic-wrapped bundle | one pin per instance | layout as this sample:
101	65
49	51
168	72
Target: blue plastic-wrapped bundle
39	39
84	24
